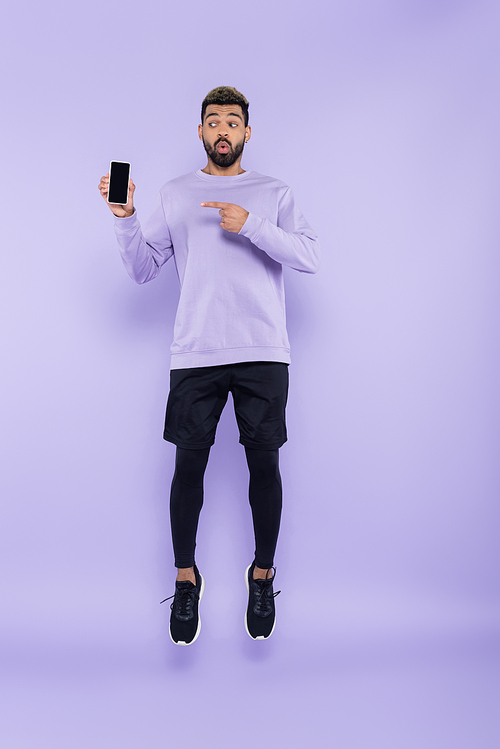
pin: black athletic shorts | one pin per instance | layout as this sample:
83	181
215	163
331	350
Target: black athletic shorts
198	395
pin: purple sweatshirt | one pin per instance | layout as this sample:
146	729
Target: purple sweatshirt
232	301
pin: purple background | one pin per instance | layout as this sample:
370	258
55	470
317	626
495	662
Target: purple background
384	119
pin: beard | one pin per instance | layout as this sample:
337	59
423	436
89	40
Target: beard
224	159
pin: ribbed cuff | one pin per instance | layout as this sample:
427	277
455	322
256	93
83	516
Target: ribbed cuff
126	223
252	227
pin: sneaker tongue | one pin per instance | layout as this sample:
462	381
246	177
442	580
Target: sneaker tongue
184	585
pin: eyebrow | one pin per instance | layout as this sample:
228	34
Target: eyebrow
231	114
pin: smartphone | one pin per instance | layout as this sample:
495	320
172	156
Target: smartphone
119	175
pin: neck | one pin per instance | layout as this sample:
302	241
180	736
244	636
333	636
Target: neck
223	171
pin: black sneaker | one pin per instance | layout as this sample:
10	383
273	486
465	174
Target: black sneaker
185	622
260	616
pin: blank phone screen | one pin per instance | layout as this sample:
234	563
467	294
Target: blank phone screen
118	182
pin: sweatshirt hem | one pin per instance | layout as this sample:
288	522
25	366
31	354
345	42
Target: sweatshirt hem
214	358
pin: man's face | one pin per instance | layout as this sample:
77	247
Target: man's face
223	133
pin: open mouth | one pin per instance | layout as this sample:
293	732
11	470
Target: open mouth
223	147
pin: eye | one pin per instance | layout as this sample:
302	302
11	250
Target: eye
211	124
233	124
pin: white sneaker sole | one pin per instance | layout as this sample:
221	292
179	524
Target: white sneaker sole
198	628
260	637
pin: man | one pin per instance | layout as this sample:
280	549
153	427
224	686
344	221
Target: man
229	232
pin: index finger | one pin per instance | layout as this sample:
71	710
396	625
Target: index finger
215	205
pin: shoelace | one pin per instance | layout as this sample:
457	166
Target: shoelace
182	599
264	594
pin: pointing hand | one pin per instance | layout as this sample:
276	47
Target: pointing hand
232	216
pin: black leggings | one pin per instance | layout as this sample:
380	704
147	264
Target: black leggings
186	500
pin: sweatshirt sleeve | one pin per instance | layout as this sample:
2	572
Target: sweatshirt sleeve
292	242
144	254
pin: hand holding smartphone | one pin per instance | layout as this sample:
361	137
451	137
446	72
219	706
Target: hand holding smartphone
117	189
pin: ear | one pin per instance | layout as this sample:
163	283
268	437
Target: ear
200	132
248	133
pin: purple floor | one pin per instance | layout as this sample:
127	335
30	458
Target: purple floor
399	679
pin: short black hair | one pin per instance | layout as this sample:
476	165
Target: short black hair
225	95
